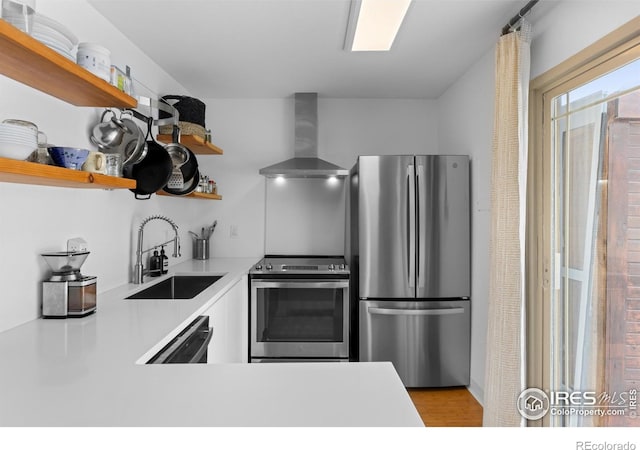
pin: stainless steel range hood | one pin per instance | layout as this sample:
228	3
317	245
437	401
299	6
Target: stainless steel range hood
305	163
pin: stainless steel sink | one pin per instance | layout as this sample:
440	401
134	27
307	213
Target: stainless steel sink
177	287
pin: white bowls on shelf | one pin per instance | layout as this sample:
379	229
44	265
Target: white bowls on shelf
17	142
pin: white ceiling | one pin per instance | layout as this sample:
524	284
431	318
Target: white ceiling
273	48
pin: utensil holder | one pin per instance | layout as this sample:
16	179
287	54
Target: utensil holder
201	248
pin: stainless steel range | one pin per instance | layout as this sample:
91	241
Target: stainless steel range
299	309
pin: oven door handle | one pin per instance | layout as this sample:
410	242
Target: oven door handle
203	347
311	284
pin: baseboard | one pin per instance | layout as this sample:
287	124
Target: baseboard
477	391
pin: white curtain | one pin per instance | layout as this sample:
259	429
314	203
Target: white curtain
505	365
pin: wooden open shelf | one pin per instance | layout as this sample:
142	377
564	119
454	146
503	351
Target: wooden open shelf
23	172
194	143
199	195
30	62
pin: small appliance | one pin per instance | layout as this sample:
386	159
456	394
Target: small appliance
68	293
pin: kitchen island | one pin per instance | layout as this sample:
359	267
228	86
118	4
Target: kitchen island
88	372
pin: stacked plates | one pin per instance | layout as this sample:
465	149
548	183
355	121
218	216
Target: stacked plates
17	142
51	33
54	35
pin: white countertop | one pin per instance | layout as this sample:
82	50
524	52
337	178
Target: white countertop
83	372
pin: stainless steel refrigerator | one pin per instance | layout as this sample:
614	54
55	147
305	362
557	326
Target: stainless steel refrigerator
409	249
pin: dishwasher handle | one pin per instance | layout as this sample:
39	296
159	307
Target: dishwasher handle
203	347
414	312
174	346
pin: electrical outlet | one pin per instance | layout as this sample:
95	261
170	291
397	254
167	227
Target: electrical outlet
233	231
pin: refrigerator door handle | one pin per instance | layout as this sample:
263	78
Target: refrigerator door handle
421	225
414	312
411	224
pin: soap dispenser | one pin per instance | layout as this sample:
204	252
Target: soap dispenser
164	261
155	264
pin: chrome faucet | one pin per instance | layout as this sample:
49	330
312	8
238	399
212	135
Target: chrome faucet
139	269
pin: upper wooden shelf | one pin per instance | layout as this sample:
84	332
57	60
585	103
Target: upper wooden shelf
30	62
200	195
16	171
195	143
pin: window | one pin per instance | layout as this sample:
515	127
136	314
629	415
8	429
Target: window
584	236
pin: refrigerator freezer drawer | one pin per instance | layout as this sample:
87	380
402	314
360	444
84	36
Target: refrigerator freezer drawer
428	342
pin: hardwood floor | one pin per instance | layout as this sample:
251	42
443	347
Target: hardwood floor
447	407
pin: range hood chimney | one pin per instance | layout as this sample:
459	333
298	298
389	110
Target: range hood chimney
305	163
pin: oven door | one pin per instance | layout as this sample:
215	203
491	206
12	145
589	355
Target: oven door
300	318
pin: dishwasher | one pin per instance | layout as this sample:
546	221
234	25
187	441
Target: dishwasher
189	346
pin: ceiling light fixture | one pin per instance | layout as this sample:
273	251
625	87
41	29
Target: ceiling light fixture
373	24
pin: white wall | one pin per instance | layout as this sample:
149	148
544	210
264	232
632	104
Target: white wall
305	216
352	127
465	125
572	26
36	219
255	133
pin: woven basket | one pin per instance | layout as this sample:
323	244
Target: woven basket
190	109
186	128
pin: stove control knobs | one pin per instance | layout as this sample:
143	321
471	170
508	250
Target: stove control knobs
269	267
342	267
331	267
259	267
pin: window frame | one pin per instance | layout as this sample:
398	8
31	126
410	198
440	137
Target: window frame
610	52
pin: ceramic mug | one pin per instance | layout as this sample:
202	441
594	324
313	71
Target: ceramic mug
96	162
